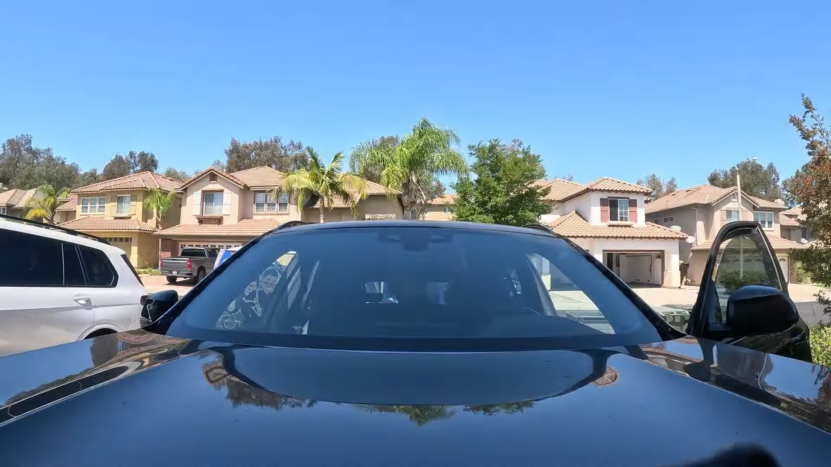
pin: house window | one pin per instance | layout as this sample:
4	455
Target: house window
212	204
264	202
93	205
618	210
765	218
732	215
283	204
447	209
122	205
658	220
3	210
734	197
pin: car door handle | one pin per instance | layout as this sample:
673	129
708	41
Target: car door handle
82	300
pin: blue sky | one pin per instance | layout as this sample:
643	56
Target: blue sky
611	88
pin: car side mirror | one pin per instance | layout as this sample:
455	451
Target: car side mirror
756	309
157	304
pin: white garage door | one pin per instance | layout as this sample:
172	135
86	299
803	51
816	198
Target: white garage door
218	245
636	268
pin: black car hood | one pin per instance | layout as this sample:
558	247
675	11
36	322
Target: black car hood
140	399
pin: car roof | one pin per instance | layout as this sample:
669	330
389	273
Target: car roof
534	230
46	231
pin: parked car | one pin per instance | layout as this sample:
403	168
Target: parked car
58	286
192	263
306	364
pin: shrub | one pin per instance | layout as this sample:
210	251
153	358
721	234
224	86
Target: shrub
821	344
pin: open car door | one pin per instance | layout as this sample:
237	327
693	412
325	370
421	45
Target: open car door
743	299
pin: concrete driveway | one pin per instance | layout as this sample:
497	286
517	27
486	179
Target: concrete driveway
158	283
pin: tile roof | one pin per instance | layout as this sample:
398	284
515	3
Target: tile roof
24	200
11	198
573	225
562	190
97	224
788	221
220	173
449	198
244	228
703	194
795	211
136	181
778	243
260	176
70	204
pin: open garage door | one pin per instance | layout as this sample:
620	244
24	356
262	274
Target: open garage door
637	267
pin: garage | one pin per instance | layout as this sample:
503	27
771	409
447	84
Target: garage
636	267
216	244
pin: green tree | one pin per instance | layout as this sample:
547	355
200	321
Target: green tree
133	162
45	203
274	153
412	165
159	201
658	186
502	190
179	175
811	188
23	165
757	180
325	183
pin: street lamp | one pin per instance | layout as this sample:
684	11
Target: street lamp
739	182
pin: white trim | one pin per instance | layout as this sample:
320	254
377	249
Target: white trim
123	214
763	223
100	208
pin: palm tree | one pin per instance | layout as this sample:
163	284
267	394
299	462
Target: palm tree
159	201
411	165
44	204
327	183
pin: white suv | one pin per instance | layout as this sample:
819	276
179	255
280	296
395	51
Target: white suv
58	286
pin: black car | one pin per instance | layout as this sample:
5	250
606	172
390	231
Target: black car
395	343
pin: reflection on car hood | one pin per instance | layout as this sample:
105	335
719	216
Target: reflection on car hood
187	402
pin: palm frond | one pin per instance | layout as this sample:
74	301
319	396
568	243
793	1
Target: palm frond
38	213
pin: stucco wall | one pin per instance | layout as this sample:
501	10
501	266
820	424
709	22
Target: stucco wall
436	213
247	208
378	204
193	196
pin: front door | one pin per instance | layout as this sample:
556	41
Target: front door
740	256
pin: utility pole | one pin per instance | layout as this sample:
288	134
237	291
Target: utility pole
739	191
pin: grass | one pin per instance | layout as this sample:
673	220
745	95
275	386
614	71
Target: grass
148	271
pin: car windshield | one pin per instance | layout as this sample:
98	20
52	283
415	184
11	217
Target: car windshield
413	283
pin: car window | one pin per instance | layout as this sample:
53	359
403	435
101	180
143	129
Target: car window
193	252
73	271
132	269
743	260
99	270
30	260
419	283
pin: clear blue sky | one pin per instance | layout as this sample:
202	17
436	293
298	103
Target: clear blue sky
610	88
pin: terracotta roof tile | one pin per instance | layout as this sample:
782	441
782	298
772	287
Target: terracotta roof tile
788	221
244	228
221	173
260	176
703	194
24	200
11	197
136	181
778	243
71	204
612	184
573	225
93	224
795	211
449	198
560	189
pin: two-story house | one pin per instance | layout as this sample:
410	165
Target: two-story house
607	218
114	210
224	210
790	225
702	210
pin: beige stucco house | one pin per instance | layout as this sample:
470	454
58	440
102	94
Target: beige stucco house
15	202
439	208
607	218
225	210
702	210
114	210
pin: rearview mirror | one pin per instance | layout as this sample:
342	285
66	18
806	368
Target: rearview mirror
157	304
756	309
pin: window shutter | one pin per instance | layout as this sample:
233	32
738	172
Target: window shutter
133	201
196	200
723	215
109	208
633	210
226	203
604	209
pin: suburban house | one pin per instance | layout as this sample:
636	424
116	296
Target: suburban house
67	211
224	210
607	218
702	210
114	210
439	208
14	202
791	227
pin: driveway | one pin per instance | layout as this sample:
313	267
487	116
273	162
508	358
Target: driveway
158	283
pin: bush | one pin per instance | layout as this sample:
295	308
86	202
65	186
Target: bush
148	271
821	344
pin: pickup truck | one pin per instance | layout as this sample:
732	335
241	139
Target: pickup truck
193	263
